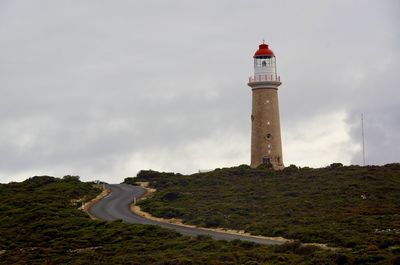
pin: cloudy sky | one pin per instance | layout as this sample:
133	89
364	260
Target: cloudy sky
102	89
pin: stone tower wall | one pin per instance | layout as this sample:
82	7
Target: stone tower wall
266	132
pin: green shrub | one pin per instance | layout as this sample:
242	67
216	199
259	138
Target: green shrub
336	165
287	247
170	196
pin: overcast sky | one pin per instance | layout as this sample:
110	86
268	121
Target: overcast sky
103	89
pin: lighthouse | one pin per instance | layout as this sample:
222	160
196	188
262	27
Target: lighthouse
266	145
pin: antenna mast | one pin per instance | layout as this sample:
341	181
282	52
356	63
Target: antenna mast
363	136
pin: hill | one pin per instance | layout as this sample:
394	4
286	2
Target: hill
40	224
351	207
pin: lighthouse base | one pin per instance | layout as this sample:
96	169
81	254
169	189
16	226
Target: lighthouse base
274	166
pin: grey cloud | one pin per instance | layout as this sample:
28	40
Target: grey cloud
84	86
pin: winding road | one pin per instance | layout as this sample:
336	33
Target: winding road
116	206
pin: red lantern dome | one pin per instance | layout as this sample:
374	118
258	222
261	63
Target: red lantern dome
263	50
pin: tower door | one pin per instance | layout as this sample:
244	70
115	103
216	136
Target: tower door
266	160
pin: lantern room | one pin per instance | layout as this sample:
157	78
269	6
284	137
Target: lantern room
264	64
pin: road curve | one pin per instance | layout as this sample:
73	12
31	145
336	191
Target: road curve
116	206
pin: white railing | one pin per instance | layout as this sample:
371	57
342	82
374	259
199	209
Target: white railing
267	77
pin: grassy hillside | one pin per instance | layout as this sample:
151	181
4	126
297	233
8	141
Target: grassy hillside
40	224
352	207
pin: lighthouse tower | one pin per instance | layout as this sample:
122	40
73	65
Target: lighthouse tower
266	145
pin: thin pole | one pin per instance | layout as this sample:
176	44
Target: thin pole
363	137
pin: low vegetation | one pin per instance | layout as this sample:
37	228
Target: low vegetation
351	207
40	224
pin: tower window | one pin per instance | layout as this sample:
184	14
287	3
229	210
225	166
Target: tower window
264	64
268	136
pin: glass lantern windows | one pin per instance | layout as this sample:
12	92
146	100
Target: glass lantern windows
264	61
